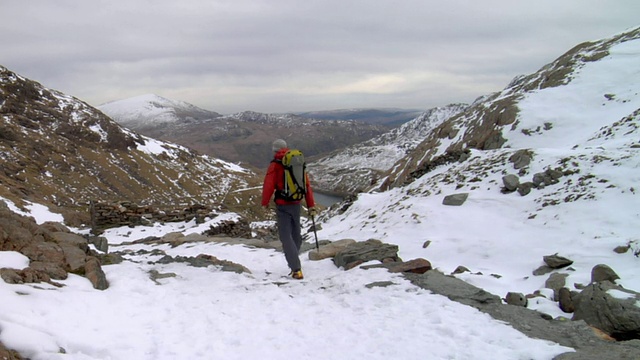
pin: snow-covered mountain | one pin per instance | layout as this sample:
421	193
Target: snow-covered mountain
357	167
242	137
60	151
152	111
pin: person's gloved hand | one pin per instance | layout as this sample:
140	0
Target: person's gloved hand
313	211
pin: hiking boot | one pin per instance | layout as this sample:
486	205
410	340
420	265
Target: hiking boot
297	274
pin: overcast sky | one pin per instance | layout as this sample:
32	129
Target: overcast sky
296	55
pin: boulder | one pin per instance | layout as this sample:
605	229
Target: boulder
603	273
525	188
416	266
510	182
521	158
330	250
610	308
361	252
565	300
455	199
555	282
516	299
93	272
556	262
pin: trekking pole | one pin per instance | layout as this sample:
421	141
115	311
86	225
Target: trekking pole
313	221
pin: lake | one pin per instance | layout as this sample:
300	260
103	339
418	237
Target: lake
326	199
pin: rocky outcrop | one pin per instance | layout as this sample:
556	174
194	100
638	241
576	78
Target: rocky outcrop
361	252
610	308
53	251
589	343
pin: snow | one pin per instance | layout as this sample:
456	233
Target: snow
579	109
206	313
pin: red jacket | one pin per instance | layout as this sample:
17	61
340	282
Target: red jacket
274	180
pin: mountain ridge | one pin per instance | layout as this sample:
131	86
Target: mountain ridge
243	137
60	151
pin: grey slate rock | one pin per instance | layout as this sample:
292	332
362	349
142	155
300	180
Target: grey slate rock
603	272
455	199
510	182
610	308
556	262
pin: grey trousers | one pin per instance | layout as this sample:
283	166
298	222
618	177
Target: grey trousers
289	231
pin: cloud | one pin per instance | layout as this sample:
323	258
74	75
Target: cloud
291	55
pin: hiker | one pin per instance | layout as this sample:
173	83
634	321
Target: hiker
287	211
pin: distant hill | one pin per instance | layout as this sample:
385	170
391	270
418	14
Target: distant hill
357	167
388	117
244	137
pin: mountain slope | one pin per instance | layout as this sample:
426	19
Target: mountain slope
57	150
592	86
243	137
570	146
151	111
357	167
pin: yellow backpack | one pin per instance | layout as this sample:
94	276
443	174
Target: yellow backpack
295	186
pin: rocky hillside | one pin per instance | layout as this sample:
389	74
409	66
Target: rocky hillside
59	151
357	167
601	79
243	137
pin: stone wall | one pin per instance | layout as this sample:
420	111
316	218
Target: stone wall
106	215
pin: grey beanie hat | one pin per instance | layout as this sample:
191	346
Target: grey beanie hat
278	144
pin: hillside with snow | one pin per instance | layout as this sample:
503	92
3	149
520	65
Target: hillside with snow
151	111
244	137
355	168
58	150
571	142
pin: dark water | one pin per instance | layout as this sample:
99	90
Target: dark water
326	199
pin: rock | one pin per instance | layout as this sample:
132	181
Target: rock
516	299
361	252
542	270
6	354
330	250
565	300
556	262
556	282
10	276
621	249
461	269
205	260
64	238
100	242
510	182
521	158
610	308
379	284
453	288
603	273
426	244
455	199
93	272
53	270
525	188
154	275
416	266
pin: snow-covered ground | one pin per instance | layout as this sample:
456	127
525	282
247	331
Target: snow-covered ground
204	313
